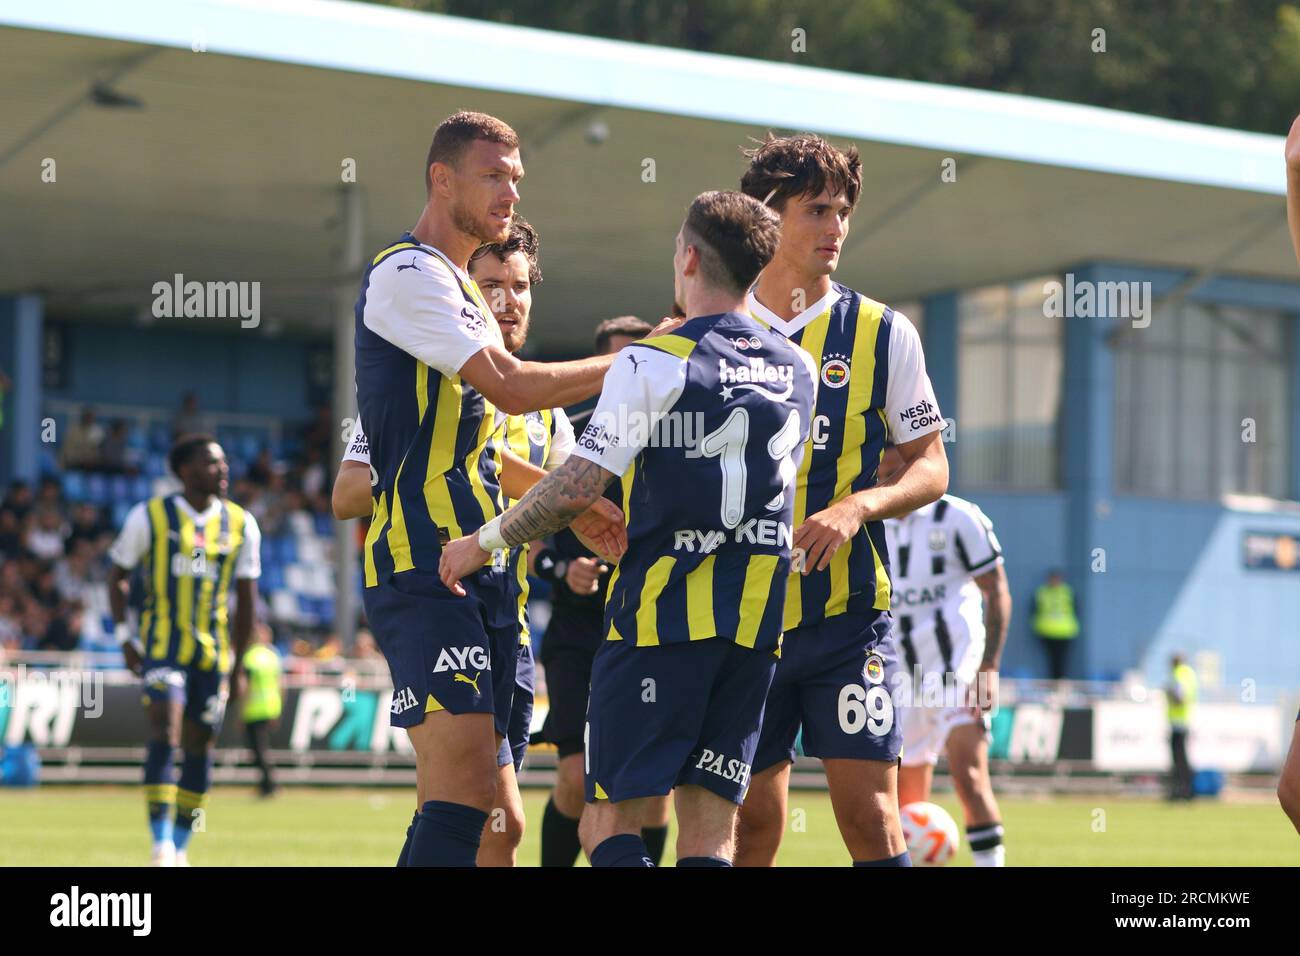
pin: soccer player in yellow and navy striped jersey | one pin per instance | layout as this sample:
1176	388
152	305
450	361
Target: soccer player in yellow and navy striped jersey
434	386
834	677
705	426
194	549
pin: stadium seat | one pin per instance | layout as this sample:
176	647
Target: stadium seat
74	485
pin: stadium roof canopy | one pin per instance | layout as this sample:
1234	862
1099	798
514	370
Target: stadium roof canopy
222	158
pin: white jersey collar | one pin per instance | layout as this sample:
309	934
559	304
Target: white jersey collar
760	311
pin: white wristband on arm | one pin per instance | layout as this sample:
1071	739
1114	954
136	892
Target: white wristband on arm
489	536
122	632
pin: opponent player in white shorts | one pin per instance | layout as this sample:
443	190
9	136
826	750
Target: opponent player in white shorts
951	606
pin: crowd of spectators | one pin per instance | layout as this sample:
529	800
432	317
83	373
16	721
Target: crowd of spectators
54	552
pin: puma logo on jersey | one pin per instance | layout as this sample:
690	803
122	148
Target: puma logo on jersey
409	265
636	362
461	659
462	679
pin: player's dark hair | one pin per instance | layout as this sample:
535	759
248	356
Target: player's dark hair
523	238
628	325
801	165
459	130
184	449
735	235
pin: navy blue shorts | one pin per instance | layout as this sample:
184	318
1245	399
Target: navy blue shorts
835	679
445	652
514	746
674	714
203	693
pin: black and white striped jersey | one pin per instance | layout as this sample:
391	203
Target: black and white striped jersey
935	554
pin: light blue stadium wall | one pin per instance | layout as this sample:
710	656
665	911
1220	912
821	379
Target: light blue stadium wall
1173	575
237	372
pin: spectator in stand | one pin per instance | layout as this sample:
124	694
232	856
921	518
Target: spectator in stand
49	494
114	453
44	589
79	574
46	533
11	535
88	524
19	500
81	446
64	630
259	472
188	419
35	623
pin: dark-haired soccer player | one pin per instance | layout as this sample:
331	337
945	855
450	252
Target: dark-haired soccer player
193	545
505	273
693	620
433	374
580	583
837	660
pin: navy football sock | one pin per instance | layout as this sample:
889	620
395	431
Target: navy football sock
655	838
560	843
160	791
703	861
191	796
901	860
406	847
624	849
446	834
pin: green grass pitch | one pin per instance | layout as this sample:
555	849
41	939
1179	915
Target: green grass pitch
105	826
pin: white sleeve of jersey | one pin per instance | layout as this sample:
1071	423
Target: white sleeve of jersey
358	446
422	311
642	384
910	405
249	562
562	440
977	545
133	540
811	364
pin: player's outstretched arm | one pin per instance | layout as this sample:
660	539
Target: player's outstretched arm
517	387
922	478
351	495
596	525
1293	185
242	633
553	503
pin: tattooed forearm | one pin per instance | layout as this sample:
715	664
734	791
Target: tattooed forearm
997	613
555	501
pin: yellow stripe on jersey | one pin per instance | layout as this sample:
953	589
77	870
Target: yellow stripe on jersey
813	341
377	522
699	601
486	427
393	248
647	615
754	596
442	451
849	464
162	618
185	589
884	590
677	345
206	585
